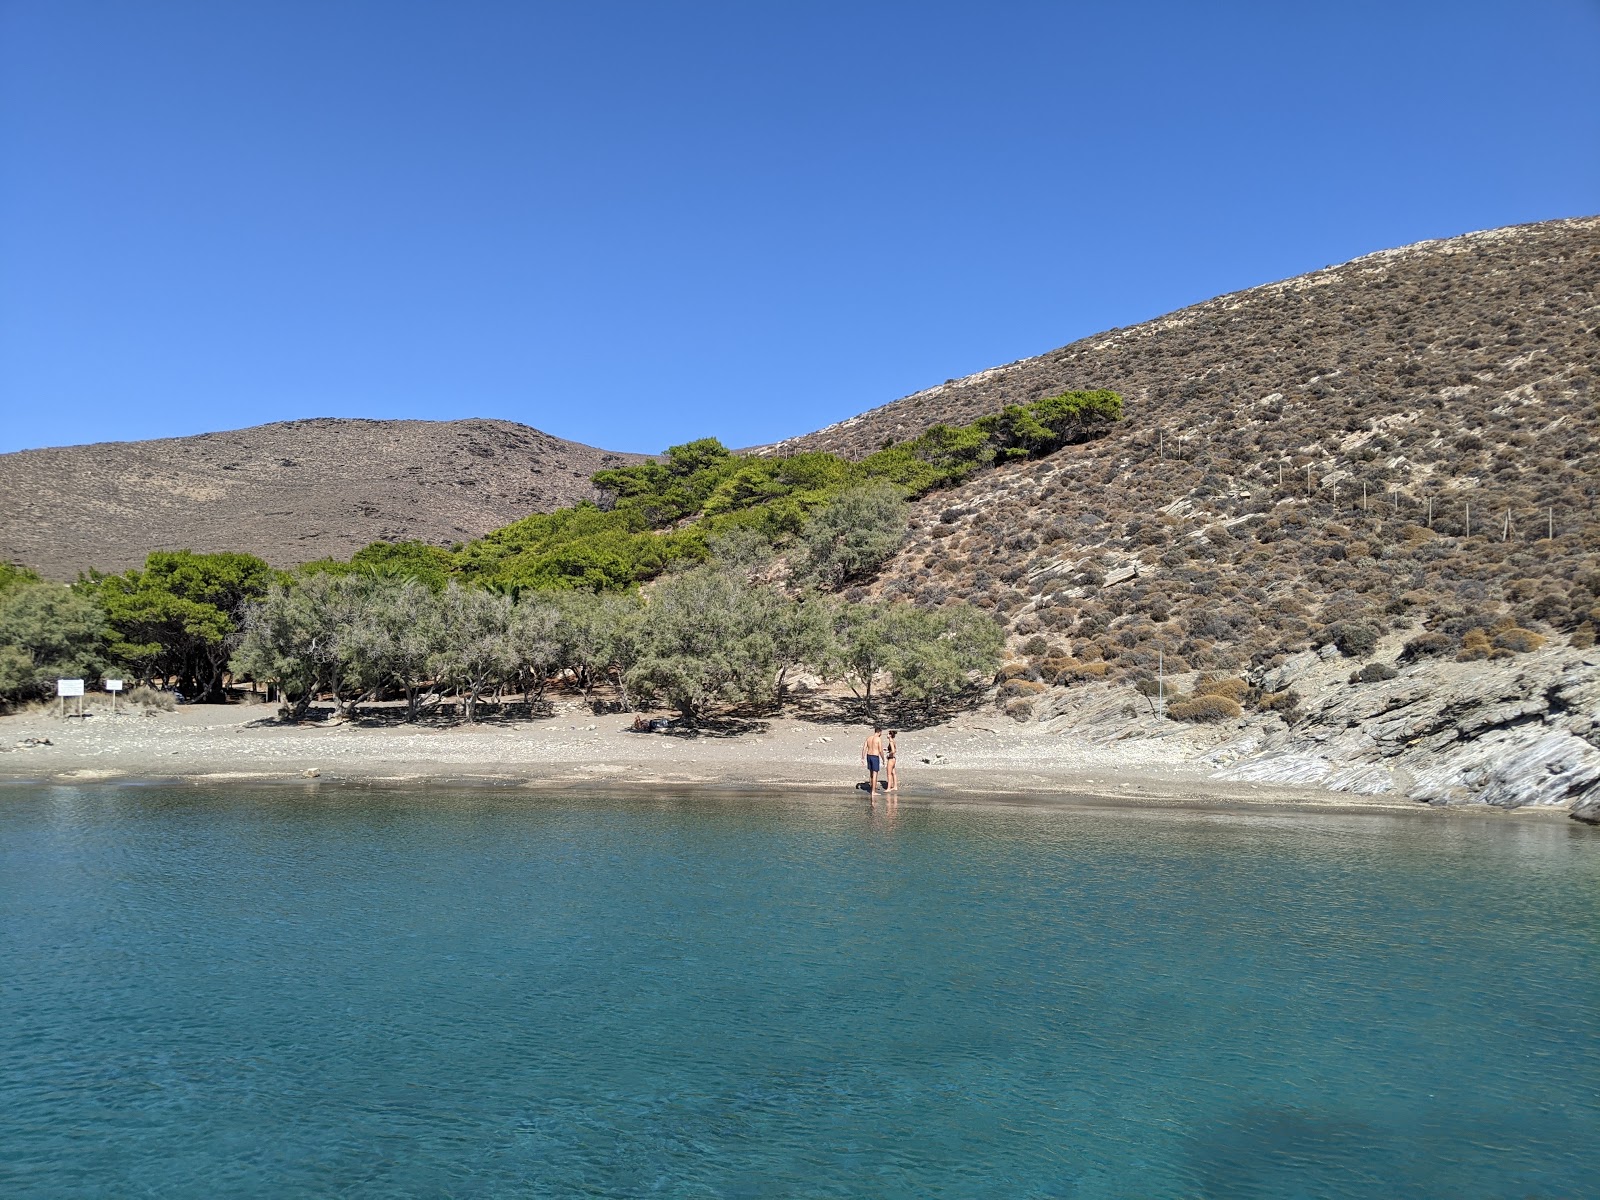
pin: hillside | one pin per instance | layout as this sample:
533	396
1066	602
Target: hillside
1281	455
291	491
1402	446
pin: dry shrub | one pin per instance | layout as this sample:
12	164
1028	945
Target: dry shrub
1021	687
149	697
1475	646
1222	685
1019	709
1518	641
1015	670
1285	701
1075	671
1582	637
1036	647
1205	709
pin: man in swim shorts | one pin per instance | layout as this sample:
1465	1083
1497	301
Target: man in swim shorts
872	756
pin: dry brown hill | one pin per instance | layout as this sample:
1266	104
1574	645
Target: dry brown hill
1445	383
1353	513
291	491
1283	450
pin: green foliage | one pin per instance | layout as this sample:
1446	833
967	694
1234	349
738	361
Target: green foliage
707	637
852	537
13	576
663	492
475	646
298	635
47	632
943	456
178	616
925	654
427	564
581	547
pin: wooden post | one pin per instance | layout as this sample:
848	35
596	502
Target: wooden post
1505	532
1308	479
1468	503
1551	514
1363	497
1161	682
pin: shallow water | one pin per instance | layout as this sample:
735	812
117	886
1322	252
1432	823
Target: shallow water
338	992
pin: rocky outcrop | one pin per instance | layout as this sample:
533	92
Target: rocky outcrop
1513	733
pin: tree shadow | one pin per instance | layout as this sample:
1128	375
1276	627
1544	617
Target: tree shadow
725	725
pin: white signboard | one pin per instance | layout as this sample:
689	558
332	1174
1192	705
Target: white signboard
113	685
69	687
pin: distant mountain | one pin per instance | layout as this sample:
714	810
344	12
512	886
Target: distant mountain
291	491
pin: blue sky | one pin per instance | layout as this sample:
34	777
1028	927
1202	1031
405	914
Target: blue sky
632	224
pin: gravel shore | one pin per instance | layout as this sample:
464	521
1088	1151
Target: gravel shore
977	755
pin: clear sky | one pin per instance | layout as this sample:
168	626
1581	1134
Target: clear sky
632	224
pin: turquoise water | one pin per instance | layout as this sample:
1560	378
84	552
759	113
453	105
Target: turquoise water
343	993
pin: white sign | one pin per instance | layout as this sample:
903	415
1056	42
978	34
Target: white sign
69	687
113	685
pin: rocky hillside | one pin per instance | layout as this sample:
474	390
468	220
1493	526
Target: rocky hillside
290	491
1400	450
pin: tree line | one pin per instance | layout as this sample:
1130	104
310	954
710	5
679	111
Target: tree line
706	634
703	638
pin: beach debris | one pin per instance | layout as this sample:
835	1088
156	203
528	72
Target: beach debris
311	772
36	741
824	739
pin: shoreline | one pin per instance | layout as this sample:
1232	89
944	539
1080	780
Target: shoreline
973	759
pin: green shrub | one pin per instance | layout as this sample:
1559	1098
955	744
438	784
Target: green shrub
1427	645
1373	673
1205	709
1355	639
1036	647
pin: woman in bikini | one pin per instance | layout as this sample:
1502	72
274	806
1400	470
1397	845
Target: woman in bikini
890	775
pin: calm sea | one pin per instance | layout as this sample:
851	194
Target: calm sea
331	992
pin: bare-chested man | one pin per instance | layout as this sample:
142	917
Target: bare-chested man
872	756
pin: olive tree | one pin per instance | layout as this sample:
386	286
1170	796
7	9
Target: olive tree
536	640
922	654
475	646
705	638
297	636
395	637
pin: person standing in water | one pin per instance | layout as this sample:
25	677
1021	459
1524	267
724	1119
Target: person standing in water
872	756
890	774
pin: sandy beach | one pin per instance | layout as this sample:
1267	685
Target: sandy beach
977	755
